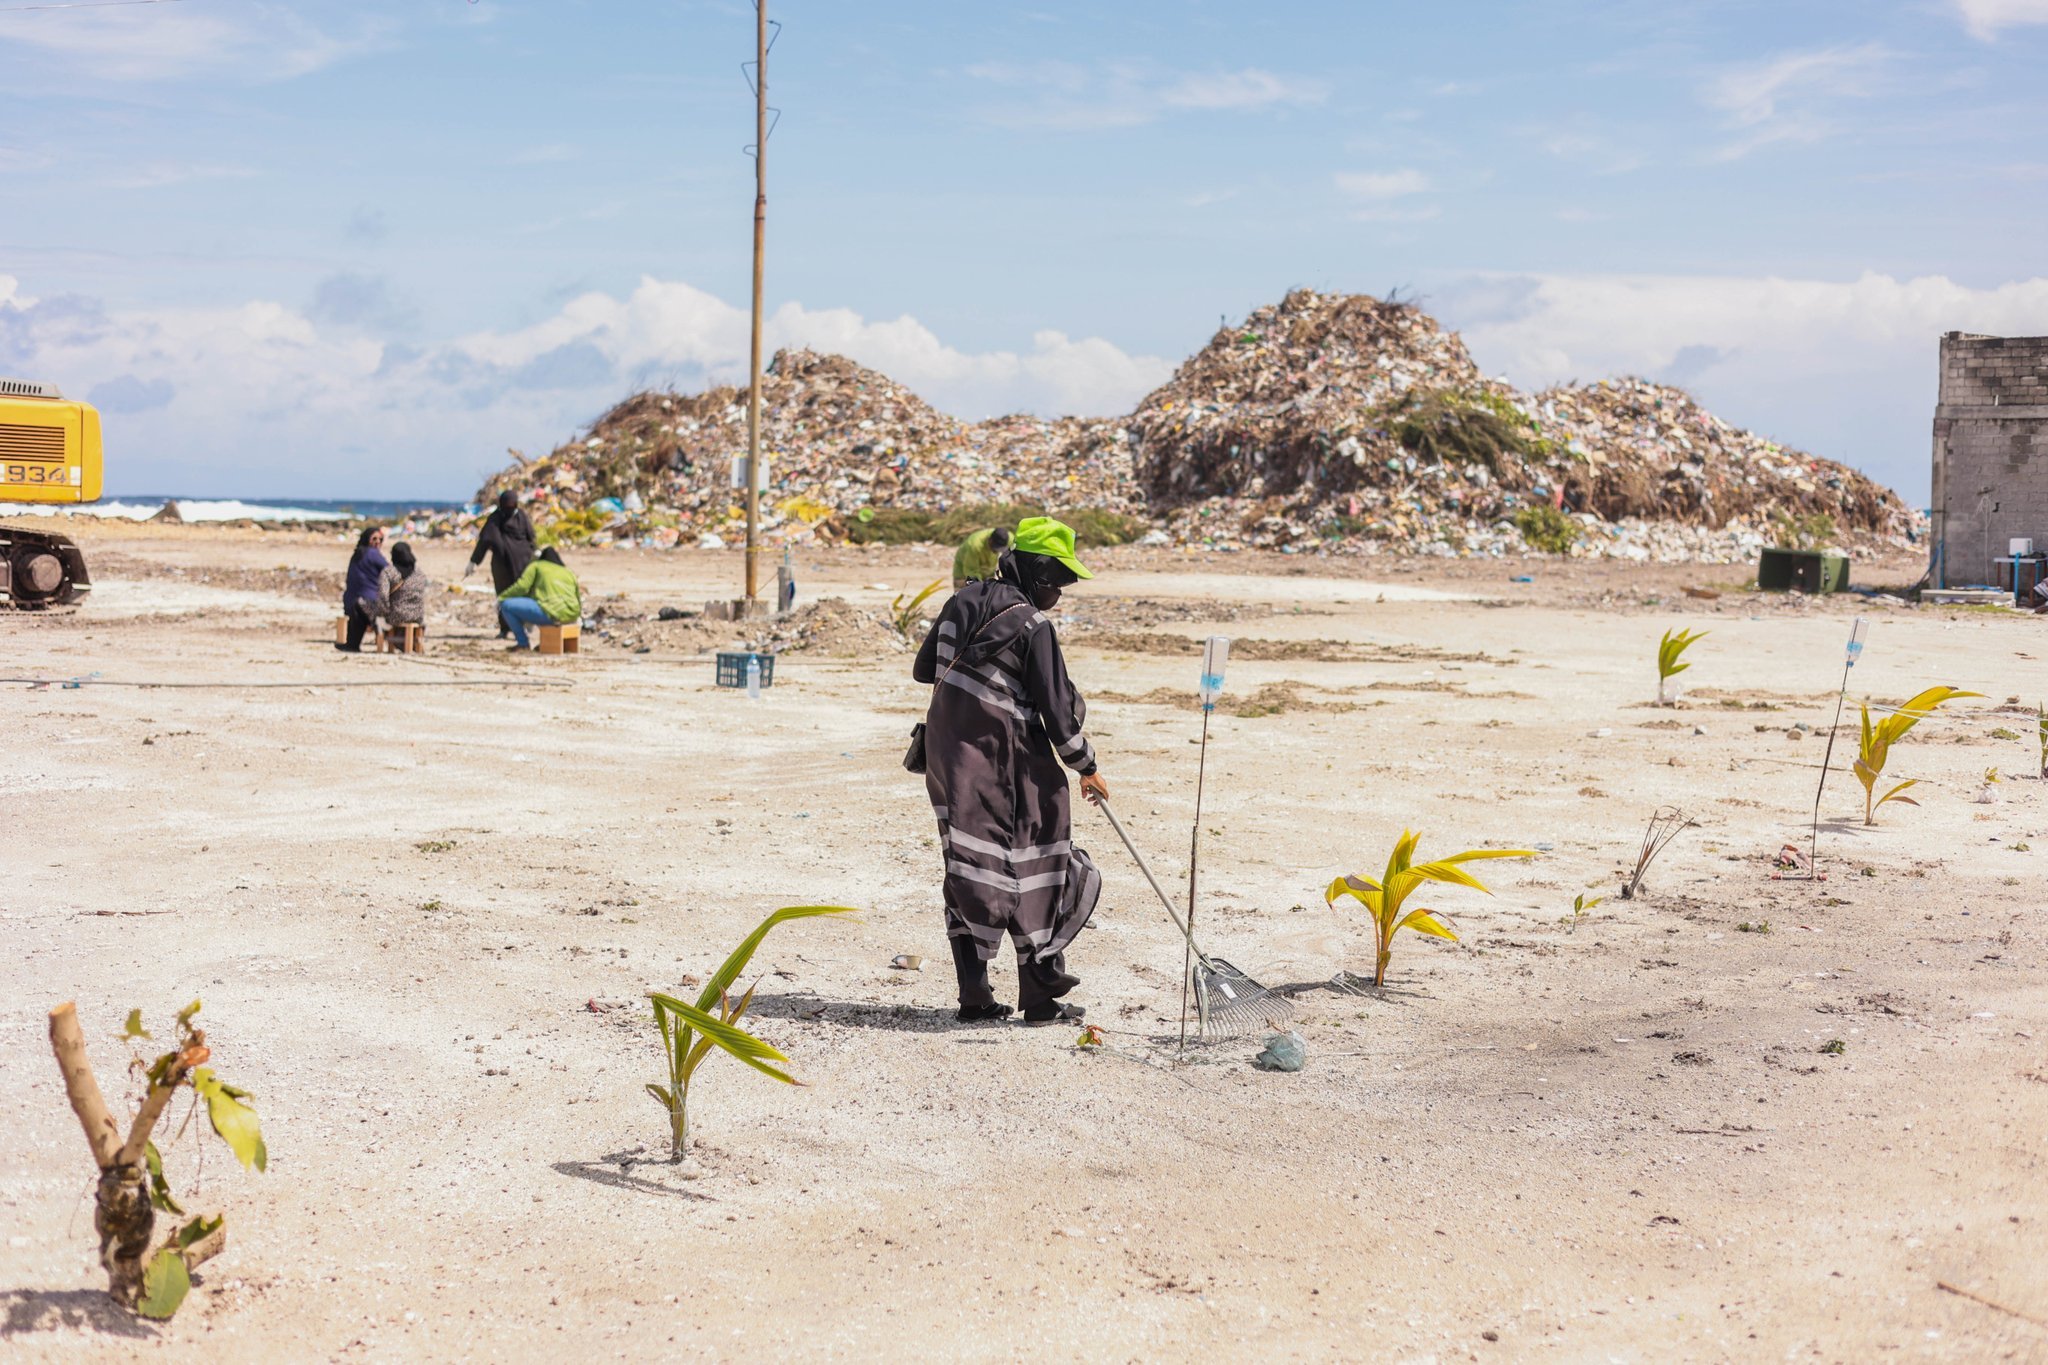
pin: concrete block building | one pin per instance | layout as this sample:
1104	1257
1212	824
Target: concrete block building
1990	454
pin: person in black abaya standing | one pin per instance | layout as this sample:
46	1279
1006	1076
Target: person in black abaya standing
1004	718
507	538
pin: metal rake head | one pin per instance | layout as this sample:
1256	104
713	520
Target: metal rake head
1232	1004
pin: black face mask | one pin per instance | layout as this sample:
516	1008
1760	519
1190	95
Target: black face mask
1044	597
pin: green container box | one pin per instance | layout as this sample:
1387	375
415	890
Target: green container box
1809	571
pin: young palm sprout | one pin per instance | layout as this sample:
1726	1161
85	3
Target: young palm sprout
1384	898
904	614
1877	741
1669	649
689	1032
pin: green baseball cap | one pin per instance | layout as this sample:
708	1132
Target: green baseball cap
1055	539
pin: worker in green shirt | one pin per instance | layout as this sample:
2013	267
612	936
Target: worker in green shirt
978	556
546	594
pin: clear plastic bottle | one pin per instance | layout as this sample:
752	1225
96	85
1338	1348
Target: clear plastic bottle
1215	652
754	677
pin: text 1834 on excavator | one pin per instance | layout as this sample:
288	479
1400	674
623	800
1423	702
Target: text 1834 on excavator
49	453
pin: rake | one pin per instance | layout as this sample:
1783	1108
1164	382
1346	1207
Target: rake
1228	1003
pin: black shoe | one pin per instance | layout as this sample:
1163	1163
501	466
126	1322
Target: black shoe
977	1014
1058	1012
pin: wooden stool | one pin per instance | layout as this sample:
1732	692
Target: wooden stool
383	641
405	639
566	638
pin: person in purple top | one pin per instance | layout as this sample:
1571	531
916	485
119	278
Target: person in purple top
365	581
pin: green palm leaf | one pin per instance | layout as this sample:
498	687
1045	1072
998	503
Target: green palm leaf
741	1044
721	980
1402	877
1423	922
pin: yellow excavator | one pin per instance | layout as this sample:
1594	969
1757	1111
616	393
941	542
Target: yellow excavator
49	453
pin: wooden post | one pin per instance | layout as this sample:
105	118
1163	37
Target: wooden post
760	246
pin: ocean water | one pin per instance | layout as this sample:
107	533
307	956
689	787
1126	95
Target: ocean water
141	507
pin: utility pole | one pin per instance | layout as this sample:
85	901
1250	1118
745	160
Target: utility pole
753	601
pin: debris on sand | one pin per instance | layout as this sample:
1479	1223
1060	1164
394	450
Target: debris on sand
1283	1052
1268	699
1321	651
835	628
830	627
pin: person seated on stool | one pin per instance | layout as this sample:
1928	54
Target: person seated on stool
403	600
366	569
545	595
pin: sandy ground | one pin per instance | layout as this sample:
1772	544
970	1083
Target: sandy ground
422	919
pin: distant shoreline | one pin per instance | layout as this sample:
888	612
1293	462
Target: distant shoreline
143	506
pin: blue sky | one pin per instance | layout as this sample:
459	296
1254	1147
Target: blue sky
360	249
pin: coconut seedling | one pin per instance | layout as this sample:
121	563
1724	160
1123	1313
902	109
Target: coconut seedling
1386	897
1877	741
151	1278
1581	903
689	1032
904	614
1670	662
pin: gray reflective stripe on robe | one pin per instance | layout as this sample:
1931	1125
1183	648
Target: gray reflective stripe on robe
1003	716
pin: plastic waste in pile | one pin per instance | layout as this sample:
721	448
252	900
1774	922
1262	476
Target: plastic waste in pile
754	677
1289	433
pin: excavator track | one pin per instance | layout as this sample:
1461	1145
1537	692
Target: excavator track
39	571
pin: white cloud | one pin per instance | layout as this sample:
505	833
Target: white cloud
1250	88
262	398
543	153
1782	99
1380	195
245	41
17	159
1599	153
1843	368
1421	213
1382	184
1984	18
1066	96
160	173
666	325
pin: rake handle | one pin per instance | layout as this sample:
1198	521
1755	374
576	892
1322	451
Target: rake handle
1164	899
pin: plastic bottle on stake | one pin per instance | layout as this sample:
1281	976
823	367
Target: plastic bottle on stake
753	677
1854	652
1215	652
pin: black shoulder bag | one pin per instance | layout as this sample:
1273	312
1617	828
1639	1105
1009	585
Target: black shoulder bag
913	757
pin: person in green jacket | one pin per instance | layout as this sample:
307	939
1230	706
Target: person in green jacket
978	556
546	594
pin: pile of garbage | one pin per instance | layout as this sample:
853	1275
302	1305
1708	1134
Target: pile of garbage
1343	417
1325	422
836	437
